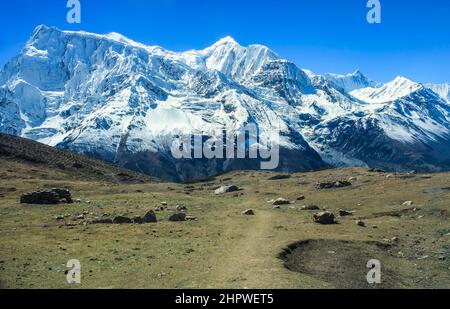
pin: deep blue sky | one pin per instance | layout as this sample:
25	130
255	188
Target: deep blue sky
413	39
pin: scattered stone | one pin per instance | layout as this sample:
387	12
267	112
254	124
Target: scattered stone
280	177
181	208
325	217
333	185
352	179
150	217
310	207
248	212
301	198
376	170
408	203
47	197
281	201
191	218
59	218
102	221
360	223
177	217
345	213
80	217
138	220
122	220
276	207
226	189
164	204
160	208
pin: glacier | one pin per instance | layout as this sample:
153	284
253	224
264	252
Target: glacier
112	98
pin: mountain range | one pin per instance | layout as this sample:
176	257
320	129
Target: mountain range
114	99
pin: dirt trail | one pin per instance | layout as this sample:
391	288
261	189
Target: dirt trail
250	262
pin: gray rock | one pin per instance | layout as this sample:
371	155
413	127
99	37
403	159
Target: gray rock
226	189
47	197
181	208
345	213
280	177
301	198
102	221
281	201
333	185
177	217
138	220
150	217
248	212
310	207
325	217
360	223
122	220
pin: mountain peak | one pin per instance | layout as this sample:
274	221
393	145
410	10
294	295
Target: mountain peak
398	88
402	82
226	40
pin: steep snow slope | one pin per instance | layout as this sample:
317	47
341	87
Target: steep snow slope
443	90
351	82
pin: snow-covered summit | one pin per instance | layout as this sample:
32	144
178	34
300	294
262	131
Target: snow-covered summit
352	81
397	88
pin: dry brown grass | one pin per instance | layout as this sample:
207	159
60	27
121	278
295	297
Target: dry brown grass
223	249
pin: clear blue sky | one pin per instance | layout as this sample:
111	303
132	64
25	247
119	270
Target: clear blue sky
413	39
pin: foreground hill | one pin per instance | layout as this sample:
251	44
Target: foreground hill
221	248
21	157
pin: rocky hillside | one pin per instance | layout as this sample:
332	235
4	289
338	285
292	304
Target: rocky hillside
74	166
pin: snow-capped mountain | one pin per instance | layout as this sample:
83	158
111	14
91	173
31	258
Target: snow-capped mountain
443	90
351	82
110	97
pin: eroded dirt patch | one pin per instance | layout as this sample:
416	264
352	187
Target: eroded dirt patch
344	263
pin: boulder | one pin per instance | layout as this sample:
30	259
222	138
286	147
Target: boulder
177	217
150	217
376	170
181	208
102	221
226	189
280	177
248	212
345	213
360	223
47	197
281	201
301	198
310	207
138	220
333	185
122	220
325	217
